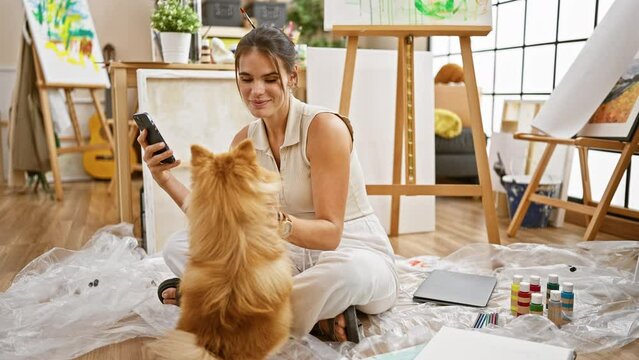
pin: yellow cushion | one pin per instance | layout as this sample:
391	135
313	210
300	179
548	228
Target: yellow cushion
447	123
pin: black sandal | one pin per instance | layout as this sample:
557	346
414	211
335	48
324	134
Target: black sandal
167	284
352	324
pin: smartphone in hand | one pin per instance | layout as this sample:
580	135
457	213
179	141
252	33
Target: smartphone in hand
153	136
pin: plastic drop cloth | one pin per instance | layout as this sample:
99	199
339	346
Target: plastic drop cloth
50	311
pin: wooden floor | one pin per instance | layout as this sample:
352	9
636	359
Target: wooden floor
31	223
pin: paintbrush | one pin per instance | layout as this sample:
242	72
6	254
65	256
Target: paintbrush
247	18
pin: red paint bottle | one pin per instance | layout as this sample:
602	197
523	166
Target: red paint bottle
535	284
523	299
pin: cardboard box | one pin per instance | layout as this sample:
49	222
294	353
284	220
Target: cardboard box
453	98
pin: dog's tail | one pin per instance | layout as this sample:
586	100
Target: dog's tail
177	345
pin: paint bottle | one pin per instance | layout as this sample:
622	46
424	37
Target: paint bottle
523	299
567	301
535	284
553	284
536	304
205	57
554	307
514	289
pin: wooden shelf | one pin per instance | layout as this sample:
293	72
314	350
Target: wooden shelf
223	31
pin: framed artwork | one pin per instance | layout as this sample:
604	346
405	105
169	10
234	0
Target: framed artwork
66	42
618	115
407	12
188	107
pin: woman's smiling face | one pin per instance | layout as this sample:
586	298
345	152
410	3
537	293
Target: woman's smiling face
261	88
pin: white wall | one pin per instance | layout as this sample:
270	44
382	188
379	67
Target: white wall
10	27
7	77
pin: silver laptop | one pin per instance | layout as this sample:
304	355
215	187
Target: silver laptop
453	288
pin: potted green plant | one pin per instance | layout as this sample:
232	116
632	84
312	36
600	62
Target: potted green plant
176	22
309	16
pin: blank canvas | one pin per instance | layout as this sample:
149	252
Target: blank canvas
188	107
457	344
372	114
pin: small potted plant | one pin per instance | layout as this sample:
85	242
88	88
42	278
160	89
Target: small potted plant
175	22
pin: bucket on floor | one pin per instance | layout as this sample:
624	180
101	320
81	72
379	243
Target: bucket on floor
538	214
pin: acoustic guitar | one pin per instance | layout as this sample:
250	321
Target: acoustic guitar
100	164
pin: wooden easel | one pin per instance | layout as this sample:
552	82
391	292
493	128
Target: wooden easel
404	144
43	86
595	213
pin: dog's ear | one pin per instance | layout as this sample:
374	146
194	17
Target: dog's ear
199	154
246	150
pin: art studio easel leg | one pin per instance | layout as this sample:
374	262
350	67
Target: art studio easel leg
479	141
349	73
595	214
604	204
53	151
398	142
48	128
524	203
585	178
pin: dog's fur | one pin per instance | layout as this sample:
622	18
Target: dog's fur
235	293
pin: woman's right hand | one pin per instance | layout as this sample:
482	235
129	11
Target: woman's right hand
161	172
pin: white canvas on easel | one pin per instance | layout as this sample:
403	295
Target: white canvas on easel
372	115
66	42
67	56
406	12
589	79
188	107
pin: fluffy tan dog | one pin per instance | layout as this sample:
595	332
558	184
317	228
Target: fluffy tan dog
235	292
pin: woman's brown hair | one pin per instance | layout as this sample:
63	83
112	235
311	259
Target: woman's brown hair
273	43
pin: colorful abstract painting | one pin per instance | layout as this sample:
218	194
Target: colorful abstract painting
407	12
618	114
66	42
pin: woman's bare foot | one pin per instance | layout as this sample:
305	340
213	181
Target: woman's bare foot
168	296
339	328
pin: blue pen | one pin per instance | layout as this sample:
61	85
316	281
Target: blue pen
477	321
